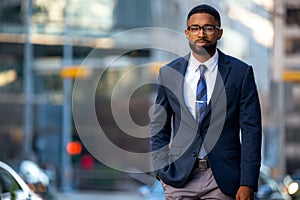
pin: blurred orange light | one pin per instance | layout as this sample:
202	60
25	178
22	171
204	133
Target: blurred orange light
74	148
291	75
156	66
74	72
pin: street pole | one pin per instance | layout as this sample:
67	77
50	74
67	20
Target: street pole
66	167
28	83
278	68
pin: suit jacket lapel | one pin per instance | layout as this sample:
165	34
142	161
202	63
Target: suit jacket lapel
223	71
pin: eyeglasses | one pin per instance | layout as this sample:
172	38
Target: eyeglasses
208	29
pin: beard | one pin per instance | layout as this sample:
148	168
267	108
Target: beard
203	50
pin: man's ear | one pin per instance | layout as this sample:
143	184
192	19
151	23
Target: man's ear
220	33
186	34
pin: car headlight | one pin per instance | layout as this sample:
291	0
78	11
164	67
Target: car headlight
293	188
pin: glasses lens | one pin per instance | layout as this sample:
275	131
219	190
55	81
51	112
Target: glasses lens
209	29
194	29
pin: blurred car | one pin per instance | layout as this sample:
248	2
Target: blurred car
12	186
296	178
268	189
38	179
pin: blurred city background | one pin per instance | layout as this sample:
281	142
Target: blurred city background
43	43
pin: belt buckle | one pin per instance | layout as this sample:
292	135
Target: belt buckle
203	164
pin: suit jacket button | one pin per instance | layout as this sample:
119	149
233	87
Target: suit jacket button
194	154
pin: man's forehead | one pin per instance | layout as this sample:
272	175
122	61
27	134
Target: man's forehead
201	18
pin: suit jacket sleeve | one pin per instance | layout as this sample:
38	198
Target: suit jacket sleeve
250	123
160	127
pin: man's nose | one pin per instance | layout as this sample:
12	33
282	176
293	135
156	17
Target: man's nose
201	33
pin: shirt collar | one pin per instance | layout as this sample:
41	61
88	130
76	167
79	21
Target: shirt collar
211	63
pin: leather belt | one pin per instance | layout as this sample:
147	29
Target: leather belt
202	163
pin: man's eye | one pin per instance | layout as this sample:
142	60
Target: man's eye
209	28
194	28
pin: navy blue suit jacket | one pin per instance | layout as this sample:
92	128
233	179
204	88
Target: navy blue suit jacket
230	131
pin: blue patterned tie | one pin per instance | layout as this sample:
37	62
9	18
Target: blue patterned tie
201	95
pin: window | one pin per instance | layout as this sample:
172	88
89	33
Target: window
292	45
293	16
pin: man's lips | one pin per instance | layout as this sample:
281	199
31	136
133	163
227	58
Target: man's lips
201	42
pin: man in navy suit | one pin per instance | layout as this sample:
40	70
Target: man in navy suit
206	125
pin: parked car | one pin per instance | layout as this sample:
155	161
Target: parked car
39	180
296	178
268	189
12	186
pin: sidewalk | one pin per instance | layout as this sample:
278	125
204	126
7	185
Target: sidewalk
101	195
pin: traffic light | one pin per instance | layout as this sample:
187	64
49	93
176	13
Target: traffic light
74	148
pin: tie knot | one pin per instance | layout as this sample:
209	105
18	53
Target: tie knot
202	69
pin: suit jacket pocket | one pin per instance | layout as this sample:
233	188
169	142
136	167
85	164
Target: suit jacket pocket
174	153
233	153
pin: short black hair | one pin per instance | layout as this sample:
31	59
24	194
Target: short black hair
204	8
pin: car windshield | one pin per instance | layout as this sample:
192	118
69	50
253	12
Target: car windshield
7	182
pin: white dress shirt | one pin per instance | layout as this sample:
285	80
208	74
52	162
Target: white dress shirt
192	76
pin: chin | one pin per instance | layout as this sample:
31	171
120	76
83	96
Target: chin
201	51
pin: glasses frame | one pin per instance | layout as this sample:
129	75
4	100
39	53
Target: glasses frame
204	28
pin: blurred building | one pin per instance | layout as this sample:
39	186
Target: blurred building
86	24
285	85
95	26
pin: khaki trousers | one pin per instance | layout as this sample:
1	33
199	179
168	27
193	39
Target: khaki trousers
202	185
